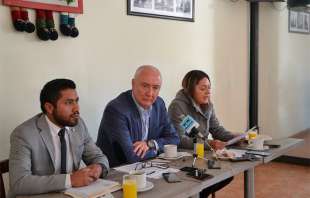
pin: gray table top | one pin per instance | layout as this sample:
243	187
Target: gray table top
190	186
286	145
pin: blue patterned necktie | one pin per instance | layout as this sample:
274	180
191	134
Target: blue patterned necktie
145	124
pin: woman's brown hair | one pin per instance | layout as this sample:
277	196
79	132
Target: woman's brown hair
191	79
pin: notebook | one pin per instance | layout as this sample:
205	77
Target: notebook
98	188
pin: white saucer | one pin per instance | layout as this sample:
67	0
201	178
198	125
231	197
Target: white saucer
179	155
149	185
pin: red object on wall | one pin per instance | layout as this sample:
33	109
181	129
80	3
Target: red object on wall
41	4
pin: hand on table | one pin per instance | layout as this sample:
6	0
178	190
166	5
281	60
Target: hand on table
96	170
85	176
217	144
140	148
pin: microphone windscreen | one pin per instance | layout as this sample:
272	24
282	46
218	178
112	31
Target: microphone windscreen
188	123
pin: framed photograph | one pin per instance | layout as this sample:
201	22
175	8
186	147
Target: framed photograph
72	6
299	22
168	9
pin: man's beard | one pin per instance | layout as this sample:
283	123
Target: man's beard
62	122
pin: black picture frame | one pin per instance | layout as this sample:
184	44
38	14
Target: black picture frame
182	10
299	22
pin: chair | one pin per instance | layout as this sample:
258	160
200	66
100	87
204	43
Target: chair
4	168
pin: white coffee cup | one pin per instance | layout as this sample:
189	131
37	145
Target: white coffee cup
257	143
170	150
140	177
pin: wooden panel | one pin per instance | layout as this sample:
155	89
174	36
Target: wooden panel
54	5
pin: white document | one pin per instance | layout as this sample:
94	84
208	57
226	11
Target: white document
127	168
237	152
236	139
97	189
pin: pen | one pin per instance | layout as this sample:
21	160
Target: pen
193	165
215	155
150	173
251	129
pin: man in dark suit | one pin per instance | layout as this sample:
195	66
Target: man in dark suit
135	125
47	149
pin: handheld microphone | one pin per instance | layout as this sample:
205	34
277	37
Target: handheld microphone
191	127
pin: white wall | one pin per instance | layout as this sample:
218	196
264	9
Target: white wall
284	74
111	45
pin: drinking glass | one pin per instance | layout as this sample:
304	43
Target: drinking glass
129	187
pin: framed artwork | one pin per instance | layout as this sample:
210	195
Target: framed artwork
72	6
168	9
299	22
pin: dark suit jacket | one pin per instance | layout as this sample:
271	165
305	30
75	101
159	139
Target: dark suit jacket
121	126
32	163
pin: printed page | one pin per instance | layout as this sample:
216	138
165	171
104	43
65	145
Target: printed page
96	189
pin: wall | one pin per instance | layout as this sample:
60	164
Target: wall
111	45
283	69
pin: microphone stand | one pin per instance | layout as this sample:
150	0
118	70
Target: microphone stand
195	156
211	163
197	173
212	150
192	171
194	160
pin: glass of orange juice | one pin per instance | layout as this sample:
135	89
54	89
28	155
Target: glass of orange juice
200	150
252	135
129	187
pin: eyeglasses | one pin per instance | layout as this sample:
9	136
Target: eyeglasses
144	165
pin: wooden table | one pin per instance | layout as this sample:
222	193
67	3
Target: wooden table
191	187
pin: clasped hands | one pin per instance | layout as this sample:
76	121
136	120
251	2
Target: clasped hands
140	148
86	176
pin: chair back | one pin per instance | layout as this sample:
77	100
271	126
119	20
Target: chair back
4	168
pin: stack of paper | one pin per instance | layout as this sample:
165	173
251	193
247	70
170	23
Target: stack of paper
98	188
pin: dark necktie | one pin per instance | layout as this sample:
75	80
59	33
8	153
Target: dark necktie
63	151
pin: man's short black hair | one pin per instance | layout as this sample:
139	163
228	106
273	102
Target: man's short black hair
51	91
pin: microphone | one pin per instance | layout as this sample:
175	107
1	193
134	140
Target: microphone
191	127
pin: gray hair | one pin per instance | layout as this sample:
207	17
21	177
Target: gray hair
146	67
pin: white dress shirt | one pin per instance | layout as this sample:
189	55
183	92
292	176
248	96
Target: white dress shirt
57	151
145	115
